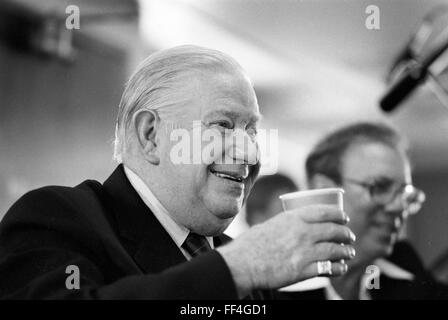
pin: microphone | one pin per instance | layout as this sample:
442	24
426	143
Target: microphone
415	71
403	87
411	78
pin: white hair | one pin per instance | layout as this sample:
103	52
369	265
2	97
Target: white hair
158	79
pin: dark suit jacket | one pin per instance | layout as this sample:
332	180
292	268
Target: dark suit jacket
422	287
107	231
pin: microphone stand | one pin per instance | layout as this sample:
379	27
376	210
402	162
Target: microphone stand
437	89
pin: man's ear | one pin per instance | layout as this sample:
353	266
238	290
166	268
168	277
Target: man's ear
319	181
145	124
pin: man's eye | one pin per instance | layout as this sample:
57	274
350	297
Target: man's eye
224	124
383	186
252	132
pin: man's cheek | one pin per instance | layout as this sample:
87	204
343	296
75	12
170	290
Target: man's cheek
212	147
253	174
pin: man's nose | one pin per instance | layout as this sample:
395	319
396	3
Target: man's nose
241	148
397	206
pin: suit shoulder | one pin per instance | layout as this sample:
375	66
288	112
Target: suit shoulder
407	257
52	202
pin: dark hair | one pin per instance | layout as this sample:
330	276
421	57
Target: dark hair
325	157
263	191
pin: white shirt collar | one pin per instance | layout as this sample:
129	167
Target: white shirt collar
393	271
177	232
385	267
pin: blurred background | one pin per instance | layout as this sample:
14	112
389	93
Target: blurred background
315	66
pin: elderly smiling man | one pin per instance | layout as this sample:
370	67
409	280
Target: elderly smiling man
153	229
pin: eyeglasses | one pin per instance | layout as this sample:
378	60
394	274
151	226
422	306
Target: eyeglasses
385	191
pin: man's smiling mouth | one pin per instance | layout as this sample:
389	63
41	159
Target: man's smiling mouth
233	176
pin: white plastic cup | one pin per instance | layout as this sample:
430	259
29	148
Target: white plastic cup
299	199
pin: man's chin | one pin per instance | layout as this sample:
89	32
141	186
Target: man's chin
214	228
385	249
228	212
225	207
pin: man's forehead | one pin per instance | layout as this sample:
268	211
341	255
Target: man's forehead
231	95
375	160
253	115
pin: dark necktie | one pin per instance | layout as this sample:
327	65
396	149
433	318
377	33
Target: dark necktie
196	244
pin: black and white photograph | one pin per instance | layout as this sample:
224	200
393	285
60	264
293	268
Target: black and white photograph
233	151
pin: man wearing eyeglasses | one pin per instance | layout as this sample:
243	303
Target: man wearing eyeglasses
370	162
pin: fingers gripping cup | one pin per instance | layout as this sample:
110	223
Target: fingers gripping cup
327	196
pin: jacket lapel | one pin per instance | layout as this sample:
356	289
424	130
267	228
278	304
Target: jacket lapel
152	247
